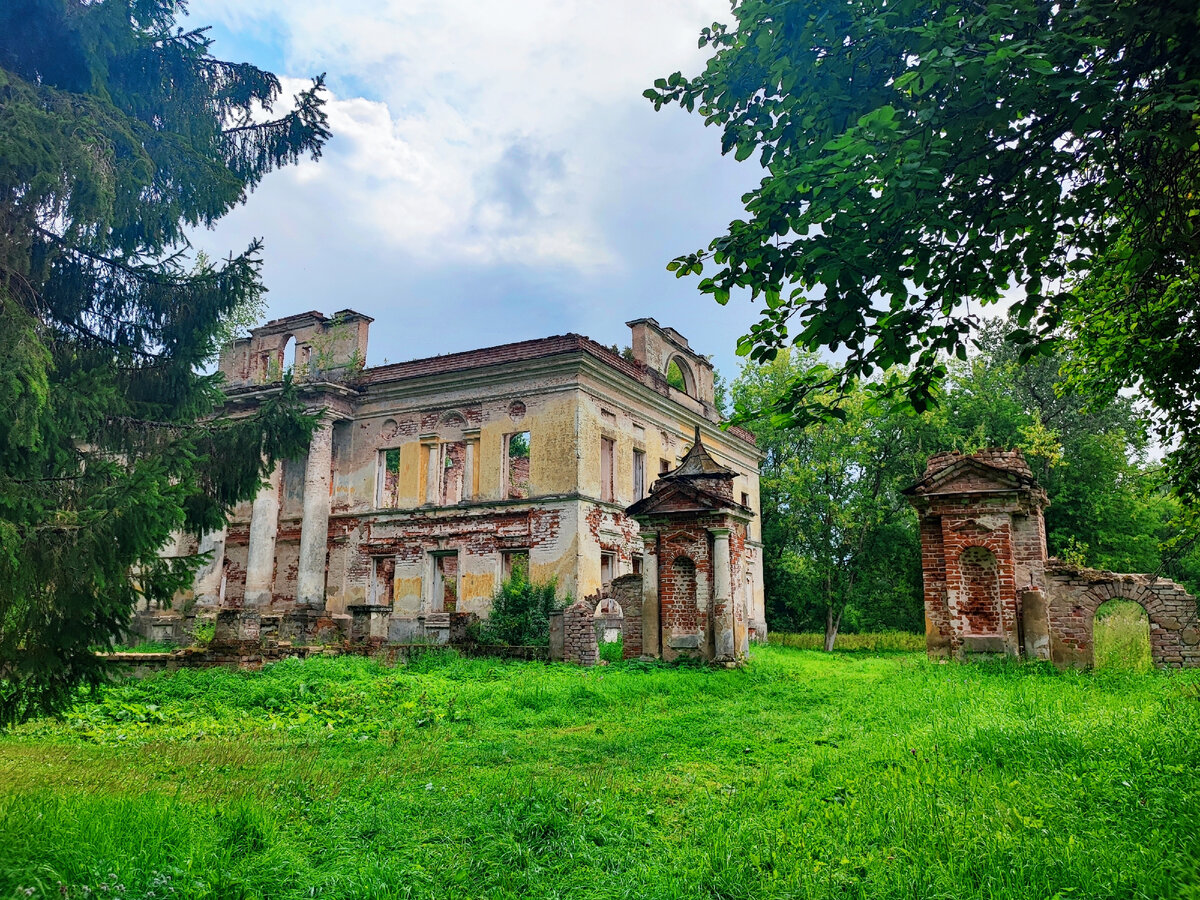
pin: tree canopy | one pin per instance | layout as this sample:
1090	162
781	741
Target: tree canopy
840	543
119	131
925	160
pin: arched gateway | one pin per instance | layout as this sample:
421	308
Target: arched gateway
990	588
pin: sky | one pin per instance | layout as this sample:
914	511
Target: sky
494	172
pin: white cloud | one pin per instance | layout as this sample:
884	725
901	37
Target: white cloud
485	133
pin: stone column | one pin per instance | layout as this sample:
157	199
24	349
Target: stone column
314	527
1036	622
207	585
722	621
468	491
433	478
260	555
650	611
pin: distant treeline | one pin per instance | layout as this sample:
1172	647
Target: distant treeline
841	549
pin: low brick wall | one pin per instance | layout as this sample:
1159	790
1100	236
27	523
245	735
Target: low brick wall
1074	594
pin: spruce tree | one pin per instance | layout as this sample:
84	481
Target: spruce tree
119	131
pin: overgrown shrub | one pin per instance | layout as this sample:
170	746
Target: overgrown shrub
613	651
521	608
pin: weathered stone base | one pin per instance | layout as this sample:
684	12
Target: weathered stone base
160	626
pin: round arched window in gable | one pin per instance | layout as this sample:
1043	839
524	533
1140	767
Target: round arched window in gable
680	377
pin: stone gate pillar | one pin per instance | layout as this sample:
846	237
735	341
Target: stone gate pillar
691	525
650	612
983	543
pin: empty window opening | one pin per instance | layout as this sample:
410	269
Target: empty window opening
445	582
384	580
639	474
608	620
288	357
607	457
516	466
664	466
389	479
608	567
745	499
1121	636
679	376
453	472
513	562
637	565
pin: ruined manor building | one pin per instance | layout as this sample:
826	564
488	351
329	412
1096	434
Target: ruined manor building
427	481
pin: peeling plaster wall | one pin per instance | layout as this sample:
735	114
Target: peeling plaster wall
387	524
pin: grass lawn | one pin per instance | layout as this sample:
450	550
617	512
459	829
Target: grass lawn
803	775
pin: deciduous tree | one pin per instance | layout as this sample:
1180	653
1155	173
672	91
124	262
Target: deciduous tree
839	541
923	160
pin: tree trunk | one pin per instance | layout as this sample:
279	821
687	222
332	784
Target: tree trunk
832	623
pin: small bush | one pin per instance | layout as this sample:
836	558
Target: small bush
204	632
613	651
520	615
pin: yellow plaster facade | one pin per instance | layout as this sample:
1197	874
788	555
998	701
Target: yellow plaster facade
429	502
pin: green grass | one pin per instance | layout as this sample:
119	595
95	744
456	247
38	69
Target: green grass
802	775
612	651
873	642
1121	636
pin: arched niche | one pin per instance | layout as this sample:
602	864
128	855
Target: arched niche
683	571
978	604
451	425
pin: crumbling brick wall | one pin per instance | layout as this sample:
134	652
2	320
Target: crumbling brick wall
1074	594
579	634
983	549
627	591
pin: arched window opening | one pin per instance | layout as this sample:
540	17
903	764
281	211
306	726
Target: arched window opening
679	376
288	357
1121	636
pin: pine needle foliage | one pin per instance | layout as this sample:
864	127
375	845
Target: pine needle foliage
119	131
